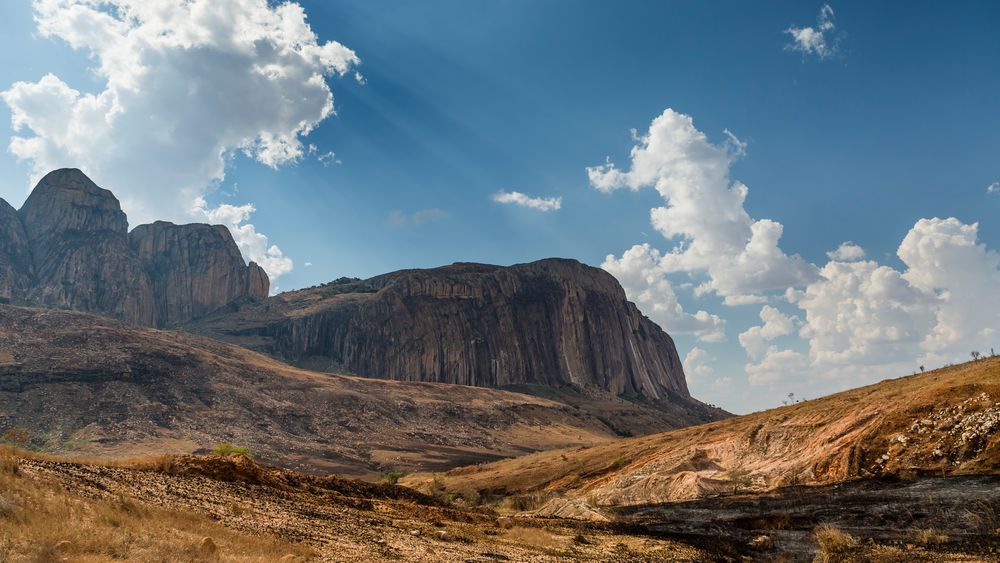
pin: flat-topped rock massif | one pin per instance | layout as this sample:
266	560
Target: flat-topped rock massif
69	247
552	322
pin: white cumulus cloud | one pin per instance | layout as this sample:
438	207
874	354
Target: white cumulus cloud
704	212
754	340
641	274
186	83
816	40
698	363
993	188
523	200
847	252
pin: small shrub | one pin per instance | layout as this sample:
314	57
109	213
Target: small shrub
229	450
471	497
834	544
391	477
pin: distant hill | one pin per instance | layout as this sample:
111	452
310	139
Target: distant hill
944	422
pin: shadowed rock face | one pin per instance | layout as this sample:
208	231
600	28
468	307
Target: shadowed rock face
15	257
195	269
552	322
69	247
78	236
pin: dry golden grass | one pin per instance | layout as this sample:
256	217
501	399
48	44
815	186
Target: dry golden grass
834	438
41	521
929	537
835	545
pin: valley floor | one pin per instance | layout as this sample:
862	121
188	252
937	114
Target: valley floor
232	509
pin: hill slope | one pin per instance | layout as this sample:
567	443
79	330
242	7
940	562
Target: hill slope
944	422
90	385
208	509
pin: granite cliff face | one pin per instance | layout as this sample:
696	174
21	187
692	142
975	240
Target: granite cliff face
15	257
195	269
69	247
78	236
553	322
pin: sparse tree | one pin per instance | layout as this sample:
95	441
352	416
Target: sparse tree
975	355
921	369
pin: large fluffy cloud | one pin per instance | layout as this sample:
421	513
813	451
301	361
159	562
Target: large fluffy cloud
641	274
862	317
186	83
704	211
861	320
775	323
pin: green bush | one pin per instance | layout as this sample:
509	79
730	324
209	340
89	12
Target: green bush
229	450
391	477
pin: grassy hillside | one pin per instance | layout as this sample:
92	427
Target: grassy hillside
944	422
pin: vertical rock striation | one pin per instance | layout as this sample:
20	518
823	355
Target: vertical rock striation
553	322
195	269
78	236
15	257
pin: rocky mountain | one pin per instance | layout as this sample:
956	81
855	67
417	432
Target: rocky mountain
553	322
194	269
69	247
95	386
549	324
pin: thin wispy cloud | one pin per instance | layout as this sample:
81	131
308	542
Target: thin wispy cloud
524	200
820	40
993	188
401	219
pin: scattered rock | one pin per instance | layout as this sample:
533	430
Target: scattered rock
443	535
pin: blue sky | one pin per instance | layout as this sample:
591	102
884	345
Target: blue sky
462	99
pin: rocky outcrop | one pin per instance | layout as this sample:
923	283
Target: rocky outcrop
15	257
195	269
553	322
78	236
68	247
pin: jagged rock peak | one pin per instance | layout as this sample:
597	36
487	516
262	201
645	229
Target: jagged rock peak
195	268
67	200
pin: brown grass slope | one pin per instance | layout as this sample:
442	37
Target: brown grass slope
87	385
944	422
214	509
